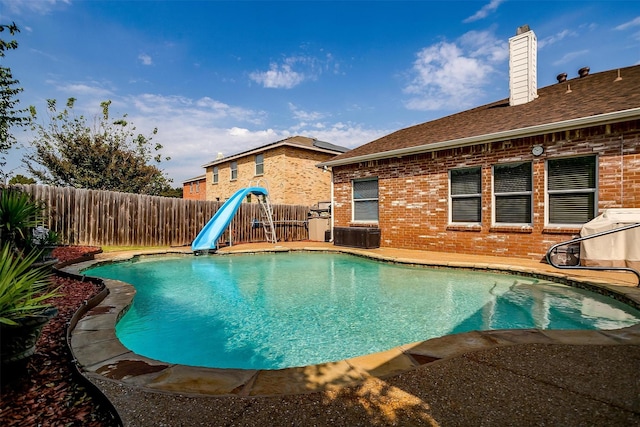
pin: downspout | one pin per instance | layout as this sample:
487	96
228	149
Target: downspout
332	209
622	171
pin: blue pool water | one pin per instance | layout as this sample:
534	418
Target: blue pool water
270	311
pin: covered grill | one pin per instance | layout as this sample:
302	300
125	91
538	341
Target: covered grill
621	249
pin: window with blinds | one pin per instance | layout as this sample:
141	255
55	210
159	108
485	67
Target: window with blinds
259	164
466	195
571	190
512	193
234	170
365	200
215	175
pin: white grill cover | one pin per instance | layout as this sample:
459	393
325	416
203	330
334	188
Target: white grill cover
621	249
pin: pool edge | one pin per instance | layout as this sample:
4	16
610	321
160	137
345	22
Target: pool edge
101	355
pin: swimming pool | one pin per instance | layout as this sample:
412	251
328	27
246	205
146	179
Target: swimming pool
271	311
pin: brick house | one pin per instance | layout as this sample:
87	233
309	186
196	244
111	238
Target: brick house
195	188
509	178
287	166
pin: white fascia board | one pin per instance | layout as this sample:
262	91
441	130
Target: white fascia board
598	120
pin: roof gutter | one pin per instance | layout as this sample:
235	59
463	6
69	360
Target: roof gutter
601	119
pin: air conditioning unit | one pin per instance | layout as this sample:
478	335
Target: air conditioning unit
357	237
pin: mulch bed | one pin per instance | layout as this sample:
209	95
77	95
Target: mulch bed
46	392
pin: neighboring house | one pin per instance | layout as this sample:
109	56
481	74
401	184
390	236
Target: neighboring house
288	168
195	188
510	178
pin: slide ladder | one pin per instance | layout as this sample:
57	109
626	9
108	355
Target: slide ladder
267	219
266	213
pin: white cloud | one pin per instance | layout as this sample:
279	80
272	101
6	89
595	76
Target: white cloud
299	114
482	44
485	11
452	75
633	23
317	125
145	59
348	135
193	131
548	41
203	110
278	77
295	70
46	55
570	56
77	90
628	25
191	148
18	6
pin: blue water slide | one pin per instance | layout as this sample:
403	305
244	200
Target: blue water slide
211	232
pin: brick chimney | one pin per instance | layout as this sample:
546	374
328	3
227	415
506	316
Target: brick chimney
523	62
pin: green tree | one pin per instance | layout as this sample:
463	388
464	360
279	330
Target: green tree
107	156
9	114
21	179
173	192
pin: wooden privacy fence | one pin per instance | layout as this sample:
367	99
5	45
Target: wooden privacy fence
106	218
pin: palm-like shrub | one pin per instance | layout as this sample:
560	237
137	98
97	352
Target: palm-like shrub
24	290
19	215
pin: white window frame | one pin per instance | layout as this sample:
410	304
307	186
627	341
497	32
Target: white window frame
453	197
259	164
354	201
547	193
233	171
215	176
496	195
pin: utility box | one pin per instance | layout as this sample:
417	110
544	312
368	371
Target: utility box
357	237
318	227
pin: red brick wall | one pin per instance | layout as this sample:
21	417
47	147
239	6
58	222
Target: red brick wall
194	190
414	191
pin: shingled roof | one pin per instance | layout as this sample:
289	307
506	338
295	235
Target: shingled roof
596	99
293	141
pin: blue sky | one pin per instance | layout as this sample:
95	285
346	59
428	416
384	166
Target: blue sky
224	77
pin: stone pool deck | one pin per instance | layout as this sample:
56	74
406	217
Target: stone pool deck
514	377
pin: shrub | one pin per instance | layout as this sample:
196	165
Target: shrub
24	290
